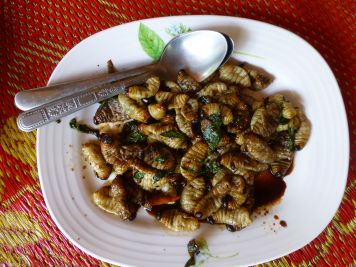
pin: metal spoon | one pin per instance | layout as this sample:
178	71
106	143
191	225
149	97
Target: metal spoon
199	53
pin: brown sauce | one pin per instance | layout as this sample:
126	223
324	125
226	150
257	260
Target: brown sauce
268	189
283	223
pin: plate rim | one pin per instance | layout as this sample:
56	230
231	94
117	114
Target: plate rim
331	74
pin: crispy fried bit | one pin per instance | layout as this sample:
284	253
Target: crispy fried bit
192	193
163	97
165	133
190	110
192	161
173	87
259	80
150	178
157	111
235	74
263	123
258	148
92	153
159	157
303	133
184	125
110	111
237	192
240	164
114	199
138	92
238	218
133	109
213	200
213	89
178	101
187	83
178	221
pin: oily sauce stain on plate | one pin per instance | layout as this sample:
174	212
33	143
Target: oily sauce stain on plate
268	189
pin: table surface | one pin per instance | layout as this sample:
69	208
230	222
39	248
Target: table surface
36	34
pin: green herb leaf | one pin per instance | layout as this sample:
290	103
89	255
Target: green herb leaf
212	133
283	120
216	119
73	123
150	42
173	134
132	134
138	175
135	137
160	159
212	136
158	176
83	128
291	134
211	167
190	170
205	99
175	30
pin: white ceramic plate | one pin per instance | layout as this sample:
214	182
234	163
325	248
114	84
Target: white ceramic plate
314	189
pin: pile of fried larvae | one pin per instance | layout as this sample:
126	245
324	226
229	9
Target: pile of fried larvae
189	151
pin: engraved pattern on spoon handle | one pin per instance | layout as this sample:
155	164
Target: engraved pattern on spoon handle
30	99
38	117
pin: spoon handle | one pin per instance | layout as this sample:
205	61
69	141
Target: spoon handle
29	99
40	116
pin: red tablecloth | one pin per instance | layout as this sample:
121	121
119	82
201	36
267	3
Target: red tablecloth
36	34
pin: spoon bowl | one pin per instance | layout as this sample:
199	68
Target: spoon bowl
199	53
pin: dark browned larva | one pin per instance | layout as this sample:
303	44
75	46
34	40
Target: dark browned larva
191	152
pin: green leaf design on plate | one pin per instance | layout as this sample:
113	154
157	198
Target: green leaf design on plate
150	42
247	54
177	29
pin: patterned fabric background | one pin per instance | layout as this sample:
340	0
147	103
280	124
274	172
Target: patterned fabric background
36	34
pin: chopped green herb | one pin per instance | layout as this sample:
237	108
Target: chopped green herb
215	119
190	170
138	175
205	99
160	159
73	123
158	176
173	134
211	167
212	136
283	120
132	134
212	133
83	128
135	137
291	134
